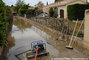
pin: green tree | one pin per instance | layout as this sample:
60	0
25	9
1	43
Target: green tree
23	9
47	3
19	3
30	12
25	6
77	11
51	12
3	23
56	0
40	3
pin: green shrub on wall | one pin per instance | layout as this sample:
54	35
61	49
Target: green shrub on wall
22	12
30	12
51	12
23	9
77	11
3	23
56	0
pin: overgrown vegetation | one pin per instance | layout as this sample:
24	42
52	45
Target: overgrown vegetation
23	10
80	34
77	11
9	13
51	12
19	3
5	18
40	4
56	0
3	23
29	12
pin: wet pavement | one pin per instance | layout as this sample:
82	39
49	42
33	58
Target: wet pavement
24	33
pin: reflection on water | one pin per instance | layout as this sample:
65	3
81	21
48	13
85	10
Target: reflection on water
22	35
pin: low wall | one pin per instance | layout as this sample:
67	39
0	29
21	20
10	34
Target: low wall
53	23
77	42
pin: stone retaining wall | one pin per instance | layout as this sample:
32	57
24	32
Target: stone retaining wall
77	42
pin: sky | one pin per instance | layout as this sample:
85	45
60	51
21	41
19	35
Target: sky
31	2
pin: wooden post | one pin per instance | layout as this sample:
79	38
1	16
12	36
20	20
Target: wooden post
73	33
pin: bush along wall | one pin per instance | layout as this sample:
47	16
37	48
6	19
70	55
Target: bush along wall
9	18
51	12
77	11
24	10
3	23
31	13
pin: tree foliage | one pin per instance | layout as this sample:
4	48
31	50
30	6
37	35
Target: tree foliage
77	11
23	9
30	12
51	12
3	23
56	0
22	12
5	17
25	6
40	3
19	3
47	3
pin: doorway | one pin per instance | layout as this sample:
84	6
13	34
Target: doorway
61	13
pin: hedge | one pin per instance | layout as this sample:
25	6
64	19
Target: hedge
51	12
3	23
56	0
31	12
77	11
22	12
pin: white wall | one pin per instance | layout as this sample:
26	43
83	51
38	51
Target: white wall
86	30
61	6
65	8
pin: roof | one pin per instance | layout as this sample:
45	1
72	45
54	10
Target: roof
63	3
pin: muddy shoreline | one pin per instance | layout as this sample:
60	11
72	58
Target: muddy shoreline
77	44
25	31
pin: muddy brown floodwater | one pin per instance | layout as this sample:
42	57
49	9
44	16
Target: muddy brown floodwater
23	33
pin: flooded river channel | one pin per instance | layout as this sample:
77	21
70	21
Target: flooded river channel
23	33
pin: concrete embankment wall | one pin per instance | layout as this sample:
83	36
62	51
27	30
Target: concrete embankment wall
77	42
42	27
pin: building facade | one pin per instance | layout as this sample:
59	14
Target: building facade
61	7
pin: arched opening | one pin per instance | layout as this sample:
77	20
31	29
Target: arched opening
61	13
